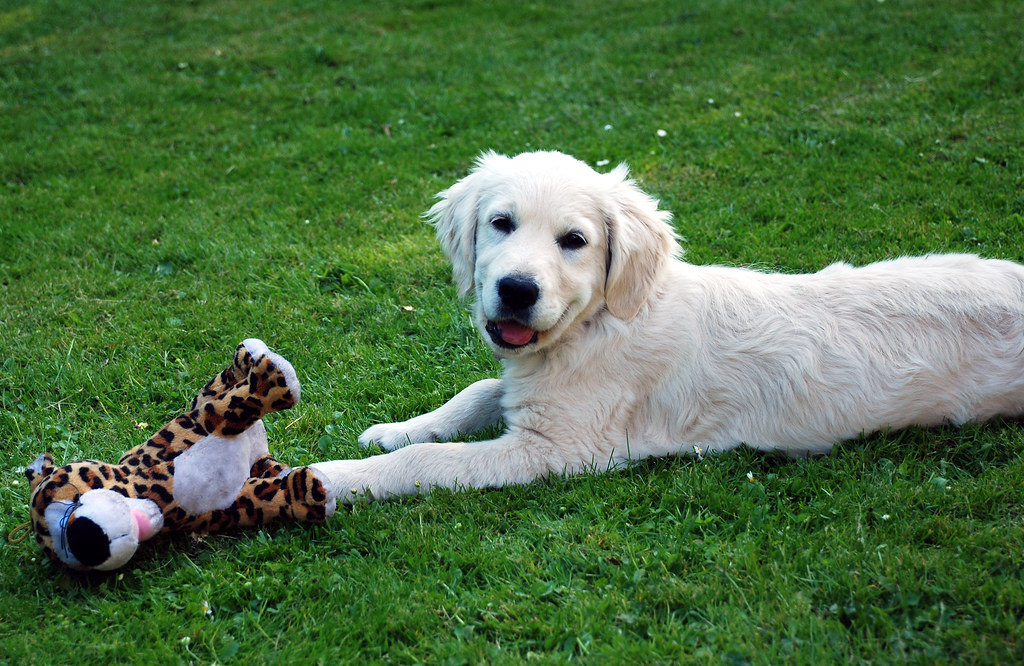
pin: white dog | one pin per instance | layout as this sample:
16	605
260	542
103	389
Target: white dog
614	350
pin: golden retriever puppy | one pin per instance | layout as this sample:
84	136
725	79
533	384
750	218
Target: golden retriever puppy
613	349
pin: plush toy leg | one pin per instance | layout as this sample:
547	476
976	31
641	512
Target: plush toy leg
306	496
302	494
245	354
270	385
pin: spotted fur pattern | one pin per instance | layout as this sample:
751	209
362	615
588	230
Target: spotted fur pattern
246	391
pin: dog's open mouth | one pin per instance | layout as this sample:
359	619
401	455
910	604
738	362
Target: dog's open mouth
510	334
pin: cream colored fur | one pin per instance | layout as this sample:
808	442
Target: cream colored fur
639	354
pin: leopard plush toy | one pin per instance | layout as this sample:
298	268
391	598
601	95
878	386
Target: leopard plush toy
207	470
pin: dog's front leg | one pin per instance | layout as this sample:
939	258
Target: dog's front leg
508	460
475	407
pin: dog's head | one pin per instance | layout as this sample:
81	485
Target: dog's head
545	242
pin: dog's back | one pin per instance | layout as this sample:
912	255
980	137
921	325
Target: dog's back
799	362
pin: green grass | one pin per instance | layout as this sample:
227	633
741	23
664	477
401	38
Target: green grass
175	177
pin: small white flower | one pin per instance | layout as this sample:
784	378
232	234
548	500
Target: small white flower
602	162
737	114
885	516
607	128
699	452
662	132
750	477
710	101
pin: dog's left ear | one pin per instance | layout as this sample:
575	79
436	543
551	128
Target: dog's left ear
640	242
455	218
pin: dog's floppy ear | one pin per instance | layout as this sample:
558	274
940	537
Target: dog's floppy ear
640	241
455	218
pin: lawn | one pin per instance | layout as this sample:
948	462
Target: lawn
178	176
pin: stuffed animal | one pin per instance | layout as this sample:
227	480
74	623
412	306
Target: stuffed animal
207	470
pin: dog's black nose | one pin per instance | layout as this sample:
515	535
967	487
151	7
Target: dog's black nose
517	292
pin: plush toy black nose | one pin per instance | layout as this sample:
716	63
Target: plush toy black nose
517	292
88	542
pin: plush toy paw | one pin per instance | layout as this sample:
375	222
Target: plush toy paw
271	385
273	377
311	497
241	363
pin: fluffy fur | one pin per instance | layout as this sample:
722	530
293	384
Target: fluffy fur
614	349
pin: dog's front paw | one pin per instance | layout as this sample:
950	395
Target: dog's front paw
391	436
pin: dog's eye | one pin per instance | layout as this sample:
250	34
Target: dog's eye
503	223
573	240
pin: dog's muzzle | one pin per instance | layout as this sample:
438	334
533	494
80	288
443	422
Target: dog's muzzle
517	294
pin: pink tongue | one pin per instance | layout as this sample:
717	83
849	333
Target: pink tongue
515	334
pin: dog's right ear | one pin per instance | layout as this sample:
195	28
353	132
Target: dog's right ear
455	218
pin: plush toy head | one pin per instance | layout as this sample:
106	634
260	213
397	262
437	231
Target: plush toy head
103	529
209	469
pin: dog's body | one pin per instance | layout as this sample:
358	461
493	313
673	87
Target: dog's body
614	350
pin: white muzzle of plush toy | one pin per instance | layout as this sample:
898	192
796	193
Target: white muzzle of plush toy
103	529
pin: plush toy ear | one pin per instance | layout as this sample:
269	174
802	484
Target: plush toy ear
640	242
40	468
455	218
